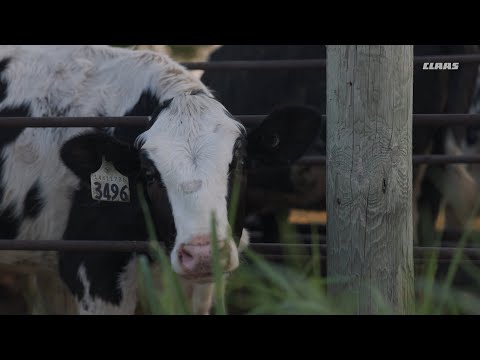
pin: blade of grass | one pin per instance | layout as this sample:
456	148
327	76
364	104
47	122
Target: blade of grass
457	255
471	270
431	270
288	236
154	306
316	261
429	281
468	303
171	279
174	294
294	307
219	303
220	281
269	271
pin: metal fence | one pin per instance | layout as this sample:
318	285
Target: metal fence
312	63
271	251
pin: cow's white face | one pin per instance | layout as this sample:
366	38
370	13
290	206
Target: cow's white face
188	153
188	159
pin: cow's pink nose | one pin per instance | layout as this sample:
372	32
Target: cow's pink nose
195	257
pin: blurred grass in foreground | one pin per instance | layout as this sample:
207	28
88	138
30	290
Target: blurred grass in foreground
259	286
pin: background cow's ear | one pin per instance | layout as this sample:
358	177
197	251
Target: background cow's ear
285	134
83	154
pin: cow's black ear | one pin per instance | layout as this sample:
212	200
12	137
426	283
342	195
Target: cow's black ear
285	134
83	154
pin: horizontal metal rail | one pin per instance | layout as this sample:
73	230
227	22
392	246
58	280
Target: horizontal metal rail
296	238
449	237
430	120
75	245
257	64
298	249
424	120
142	121
444	120
417	260
460	58
311	63
446	159
66	122
143	247
417	159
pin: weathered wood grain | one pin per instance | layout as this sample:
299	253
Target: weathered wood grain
369	174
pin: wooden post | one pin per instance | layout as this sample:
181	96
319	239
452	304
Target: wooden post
369	175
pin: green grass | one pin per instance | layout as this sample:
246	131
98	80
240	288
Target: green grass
260	287
167	298
217	271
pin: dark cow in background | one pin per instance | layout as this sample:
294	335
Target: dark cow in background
80	183
443	92
275	189
470	145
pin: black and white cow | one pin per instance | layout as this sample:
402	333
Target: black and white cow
186	159
435	92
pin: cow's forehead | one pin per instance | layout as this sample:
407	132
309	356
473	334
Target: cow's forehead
187	115
192	138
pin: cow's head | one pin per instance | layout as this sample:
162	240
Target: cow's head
188	160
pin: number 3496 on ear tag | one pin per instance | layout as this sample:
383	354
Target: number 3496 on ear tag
109	185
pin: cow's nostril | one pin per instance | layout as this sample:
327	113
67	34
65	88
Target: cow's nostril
186	258
195	258
186	253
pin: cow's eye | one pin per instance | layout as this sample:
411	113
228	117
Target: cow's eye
152	176
149	175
